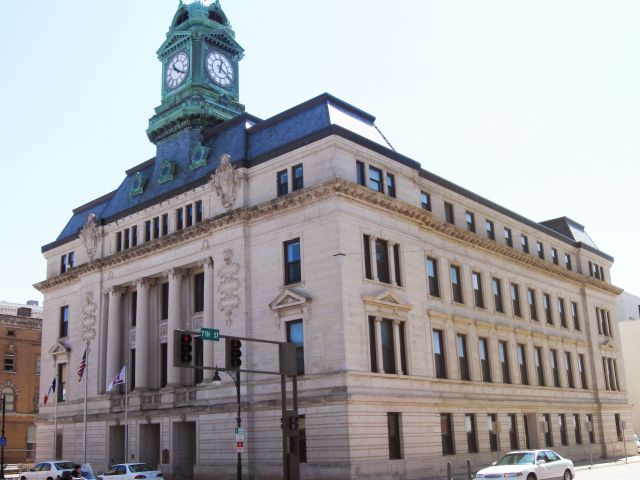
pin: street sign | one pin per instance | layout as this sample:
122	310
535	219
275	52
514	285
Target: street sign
212	334
239	447
239	431
3	441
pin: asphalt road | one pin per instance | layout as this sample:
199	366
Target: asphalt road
611	471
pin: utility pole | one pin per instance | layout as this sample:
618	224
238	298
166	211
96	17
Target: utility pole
3	437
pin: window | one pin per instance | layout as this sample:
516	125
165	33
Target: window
432	276
554	367
533	308
522	363
582	371
577	428
283	182
134	235
9	399
548	434
496	288
483	348
393	429
563	429
508	239
524	242
546	305
592	433
132	370
31	442
491	232
513	431
575	316
382	260
470	426
515	300
375	179
396	264
118	241
554	256
456	285
567	261
292	270
561	313
425	201
163	365
568	364
463	357
387	345
156	227
9	362
133	312
189	215
179	219
540	250
446	432
199	211
471	221
295	335
198	292
439	354
62	382
147	231
492	428
164	301
360	173
537	355
391	185
504	362
66	262
367	256
298	177
37	370
64	321
302	438
165	224
449	215
382	272
476	279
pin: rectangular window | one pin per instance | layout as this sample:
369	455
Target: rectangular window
446	432
568	364
439	354
563	429
393	429
546	305
456	284
567	261
64	321
561	312
179	219
554	256
134	308
470	427
373	349
540	250
283	182
298	177
156	227
553	354
134	235
591	429
483	348
126	238
533	308
198	292
471	221
504	362
548	434
63	263
607	374
449	215
132	369
508	239
189	215
577	429
360	176
382	260
432	276
118	241
491	231
575	315
62	382
463	358
522	363
165	224
478	298
295	335
302	438
391	185
515	300
537	355
199	214
425	201
492	428
147	231
582	371
396	263
367	256
513	431
163	365
387	342
164	301
292	266
496	288
375	179
9	362
70	259
524	242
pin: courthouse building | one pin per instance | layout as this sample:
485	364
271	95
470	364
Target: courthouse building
431	324
628	313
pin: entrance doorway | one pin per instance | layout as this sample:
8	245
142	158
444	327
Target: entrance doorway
149	442
184	449
116	444
531	430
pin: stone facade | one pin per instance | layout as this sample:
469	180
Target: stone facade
628	313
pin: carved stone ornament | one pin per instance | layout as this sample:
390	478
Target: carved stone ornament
289	302
225	181
89	235
137	187
89	318
199	156
228	286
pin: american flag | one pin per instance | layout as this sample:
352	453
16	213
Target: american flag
83	365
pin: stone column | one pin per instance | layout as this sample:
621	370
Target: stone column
494	356
546	365
378	325
207	317
142	334
473	353
173	323
451	351
397	346
374	263
531	362
114	334
392	264
514	367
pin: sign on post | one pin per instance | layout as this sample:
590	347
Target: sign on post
3	441
212	334
239	447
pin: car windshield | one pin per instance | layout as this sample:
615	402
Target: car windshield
523	458
64	465
139	467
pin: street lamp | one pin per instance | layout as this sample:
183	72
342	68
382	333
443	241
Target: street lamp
217	381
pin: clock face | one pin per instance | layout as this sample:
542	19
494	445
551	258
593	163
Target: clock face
177	70
219	69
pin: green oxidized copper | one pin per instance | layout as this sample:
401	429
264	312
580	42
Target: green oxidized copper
139	182
167	171
199	156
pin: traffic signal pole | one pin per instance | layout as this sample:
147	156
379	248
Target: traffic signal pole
239	424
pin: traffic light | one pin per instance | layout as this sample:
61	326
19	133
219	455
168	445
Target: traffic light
182	349
233	353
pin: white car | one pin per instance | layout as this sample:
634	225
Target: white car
47	470
130	471
637	440
530	465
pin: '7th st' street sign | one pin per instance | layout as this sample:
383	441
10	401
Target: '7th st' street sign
212	334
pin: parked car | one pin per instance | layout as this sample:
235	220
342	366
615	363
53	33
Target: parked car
637	440
130	471
530	465
47	470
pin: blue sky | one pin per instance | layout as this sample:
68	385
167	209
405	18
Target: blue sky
534	105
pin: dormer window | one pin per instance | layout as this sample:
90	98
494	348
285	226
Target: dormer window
183	17
216	17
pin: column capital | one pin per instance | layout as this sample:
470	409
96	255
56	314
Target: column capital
377	319
396	321
207	262
145	281
115	290
175	272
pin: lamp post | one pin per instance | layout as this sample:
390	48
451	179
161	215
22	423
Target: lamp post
216	380
3	438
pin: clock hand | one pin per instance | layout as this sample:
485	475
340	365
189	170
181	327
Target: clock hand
177	70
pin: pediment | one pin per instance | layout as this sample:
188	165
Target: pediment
223	39
609	345
389	299
175	39
288	299
60	347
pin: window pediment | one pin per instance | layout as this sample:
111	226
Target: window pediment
289	302
610	346
60	349
388	303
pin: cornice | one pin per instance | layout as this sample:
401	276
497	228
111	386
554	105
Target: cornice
338	188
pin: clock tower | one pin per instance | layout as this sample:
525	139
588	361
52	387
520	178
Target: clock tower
199	72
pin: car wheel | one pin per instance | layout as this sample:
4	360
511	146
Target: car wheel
531	477
567	475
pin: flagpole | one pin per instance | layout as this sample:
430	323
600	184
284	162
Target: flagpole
55	418
126	413
86	387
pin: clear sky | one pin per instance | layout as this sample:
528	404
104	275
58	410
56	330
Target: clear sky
534	105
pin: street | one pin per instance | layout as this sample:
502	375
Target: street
611	471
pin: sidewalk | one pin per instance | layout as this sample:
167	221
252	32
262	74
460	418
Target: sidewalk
605	462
